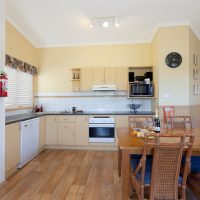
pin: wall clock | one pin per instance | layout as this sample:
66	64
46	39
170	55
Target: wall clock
173	59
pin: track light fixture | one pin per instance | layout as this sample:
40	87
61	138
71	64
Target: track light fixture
105	22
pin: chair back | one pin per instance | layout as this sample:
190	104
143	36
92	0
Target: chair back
167	163
168	113
179	122
140	121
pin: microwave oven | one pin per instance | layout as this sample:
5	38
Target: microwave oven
141	89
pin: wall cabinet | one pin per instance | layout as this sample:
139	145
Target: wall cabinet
109	76
121	78
98	76
86	79
51	130
66	130
42	138
12	148
82	130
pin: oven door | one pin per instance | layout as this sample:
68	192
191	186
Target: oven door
102	133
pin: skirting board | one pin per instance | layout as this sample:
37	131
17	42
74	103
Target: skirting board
75	147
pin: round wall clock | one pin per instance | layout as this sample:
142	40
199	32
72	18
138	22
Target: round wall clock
173	59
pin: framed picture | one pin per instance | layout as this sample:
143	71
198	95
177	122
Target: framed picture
195	73
195	59
196	89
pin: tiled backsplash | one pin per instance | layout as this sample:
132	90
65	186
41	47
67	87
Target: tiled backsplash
100	101
87	101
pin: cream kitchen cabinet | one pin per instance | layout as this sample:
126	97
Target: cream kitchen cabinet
109	76
82	130
42	138
66	130
121	78
12	148
98	76
86	79
103	75
51	130
121	121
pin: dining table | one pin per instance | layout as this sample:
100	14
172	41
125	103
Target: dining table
131	144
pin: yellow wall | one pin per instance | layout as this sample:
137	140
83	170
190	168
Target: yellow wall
173	82
55	63
19	47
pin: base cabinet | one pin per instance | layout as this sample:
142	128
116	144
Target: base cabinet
12	148
51	130
82	130
66	134
42	137
66	130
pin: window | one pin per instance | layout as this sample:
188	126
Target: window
20	89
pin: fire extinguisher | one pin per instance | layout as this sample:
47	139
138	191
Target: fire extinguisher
3	84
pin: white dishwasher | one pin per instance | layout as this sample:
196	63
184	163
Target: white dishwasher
29	140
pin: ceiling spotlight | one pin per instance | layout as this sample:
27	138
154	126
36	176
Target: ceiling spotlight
105	24
91	25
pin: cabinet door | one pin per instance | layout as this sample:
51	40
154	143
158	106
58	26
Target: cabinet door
82	130
121	78
66	133
121	121
42	139
86	79
51	130
109	75
12	148
98	76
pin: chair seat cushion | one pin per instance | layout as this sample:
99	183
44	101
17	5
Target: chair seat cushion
195	164
134	161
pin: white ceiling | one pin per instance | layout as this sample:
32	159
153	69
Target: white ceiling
50	23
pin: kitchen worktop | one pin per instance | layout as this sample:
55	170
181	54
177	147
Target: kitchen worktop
27	116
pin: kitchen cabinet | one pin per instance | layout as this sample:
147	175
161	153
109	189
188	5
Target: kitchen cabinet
98	76
66	130
121	80
42	137
121	121
109	74
12	148
86	79
82	130
51	130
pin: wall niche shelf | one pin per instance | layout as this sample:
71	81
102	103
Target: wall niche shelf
76	75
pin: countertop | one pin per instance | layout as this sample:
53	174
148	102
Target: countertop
27	116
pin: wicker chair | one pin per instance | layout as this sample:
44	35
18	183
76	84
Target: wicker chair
139	121
179	122
161	174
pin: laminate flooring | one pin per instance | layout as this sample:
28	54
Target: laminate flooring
69	175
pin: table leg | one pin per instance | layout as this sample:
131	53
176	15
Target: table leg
119	160
125	174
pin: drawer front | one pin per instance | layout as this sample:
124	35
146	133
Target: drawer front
66	119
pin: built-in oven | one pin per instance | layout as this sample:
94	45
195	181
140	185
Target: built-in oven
101	129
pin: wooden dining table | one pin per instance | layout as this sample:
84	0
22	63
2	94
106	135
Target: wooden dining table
130	144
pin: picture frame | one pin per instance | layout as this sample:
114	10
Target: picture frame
195	73
196	89
195	59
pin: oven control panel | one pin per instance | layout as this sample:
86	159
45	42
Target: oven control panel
101	120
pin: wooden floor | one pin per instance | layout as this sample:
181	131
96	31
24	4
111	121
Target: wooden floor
65	174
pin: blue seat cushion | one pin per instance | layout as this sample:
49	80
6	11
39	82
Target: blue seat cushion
195	164
134	161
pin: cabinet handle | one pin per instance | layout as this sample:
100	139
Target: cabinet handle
73	133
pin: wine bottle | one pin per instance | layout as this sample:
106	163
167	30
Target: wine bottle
156	123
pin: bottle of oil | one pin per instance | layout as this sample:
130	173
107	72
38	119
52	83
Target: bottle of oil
156	123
